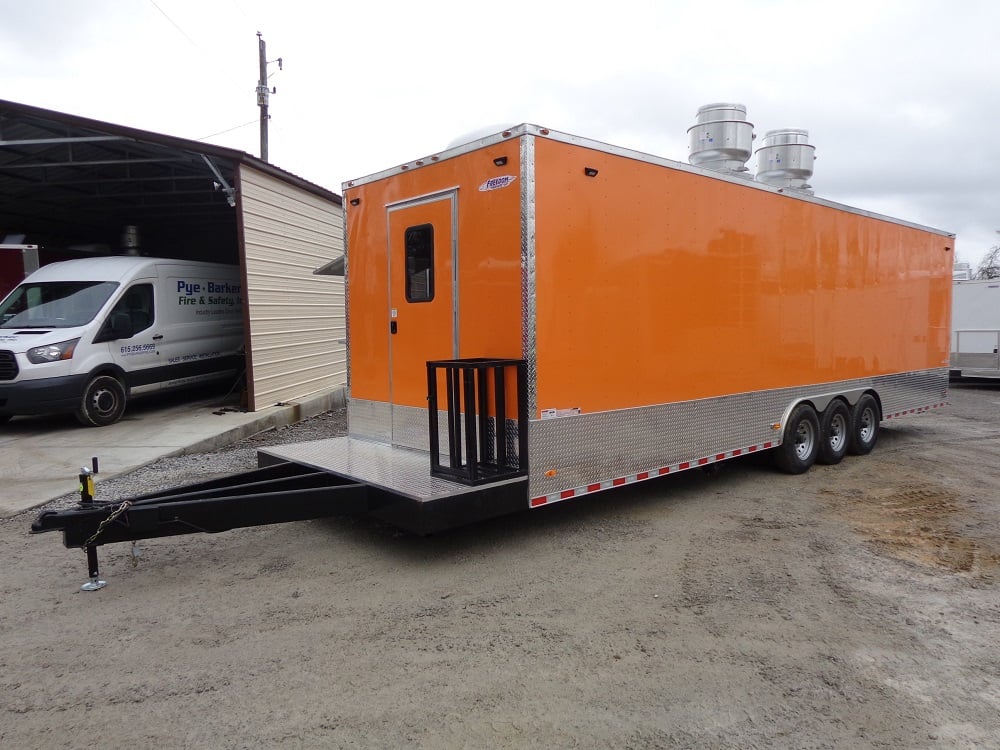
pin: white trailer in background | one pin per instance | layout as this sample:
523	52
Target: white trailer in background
975	329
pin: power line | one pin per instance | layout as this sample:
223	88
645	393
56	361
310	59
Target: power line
183	33
241	11
228	130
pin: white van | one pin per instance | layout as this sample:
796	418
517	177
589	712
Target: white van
86	335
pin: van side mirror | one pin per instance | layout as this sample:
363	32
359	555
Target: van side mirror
118	326
121	325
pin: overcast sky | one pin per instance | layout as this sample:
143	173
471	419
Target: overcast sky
900	97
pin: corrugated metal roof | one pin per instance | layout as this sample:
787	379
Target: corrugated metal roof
66	179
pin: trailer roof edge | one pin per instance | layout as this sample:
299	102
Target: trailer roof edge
555	135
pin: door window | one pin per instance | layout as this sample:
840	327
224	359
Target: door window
419	242
137	304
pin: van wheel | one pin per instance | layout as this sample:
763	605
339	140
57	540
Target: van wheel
864	426
800	445
103	402
5	418
834	433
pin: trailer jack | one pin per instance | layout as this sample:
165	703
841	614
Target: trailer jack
280	493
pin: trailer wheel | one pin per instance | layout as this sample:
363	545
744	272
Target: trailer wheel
103	402
834	432
800	445
864	426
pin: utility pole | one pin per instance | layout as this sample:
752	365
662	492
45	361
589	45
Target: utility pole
263	94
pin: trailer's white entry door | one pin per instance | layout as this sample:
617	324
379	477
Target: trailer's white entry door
423	305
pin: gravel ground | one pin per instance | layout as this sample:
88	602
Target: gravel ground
855	606
176	470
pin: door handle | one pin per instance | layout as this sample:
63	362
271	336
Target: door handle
157	337
392	326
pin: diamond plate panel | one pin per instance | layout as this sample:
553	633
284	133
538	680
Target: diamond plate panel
409	427
405	426
400	470
911	390
369	419
589	448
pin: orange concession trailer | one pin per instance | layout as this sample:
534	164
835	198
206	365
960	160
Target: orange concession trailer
534	316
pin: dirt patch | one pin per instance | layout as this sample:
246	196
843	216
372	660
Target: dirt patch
922	523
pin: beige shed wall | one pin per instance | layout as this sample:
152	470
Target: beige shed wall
296	319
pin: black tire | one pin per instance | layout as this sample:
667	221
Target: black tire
5	418
103	402
865	418
834	433
800	444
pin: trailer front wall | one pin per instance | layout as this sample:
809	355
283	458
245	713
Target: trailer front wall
657	285
487	282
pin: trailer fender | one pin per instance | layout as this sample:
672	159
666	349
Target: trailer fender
820	402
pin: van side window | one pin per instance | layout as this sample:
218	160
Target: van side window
419	242
137	303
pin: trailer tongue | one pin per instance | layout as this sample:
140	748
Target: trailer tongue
274	494
482	474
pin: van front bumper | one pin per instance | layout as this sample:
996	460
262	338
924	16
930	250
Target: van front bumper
42	396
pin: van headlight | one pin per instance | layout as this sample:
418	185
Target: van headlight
52	352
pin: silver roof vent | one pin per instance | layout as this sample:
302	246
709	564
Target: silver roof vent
722	139
785	159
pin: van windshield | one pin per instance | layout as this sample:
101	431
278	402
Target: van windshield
54	304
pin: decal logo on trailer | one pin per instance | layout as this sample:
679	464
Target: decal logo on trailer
496	183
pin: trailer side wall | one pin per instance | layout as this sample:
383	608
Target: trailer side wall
656	285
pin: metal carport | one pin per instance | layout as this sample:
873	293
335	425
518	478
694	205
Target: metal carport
69	181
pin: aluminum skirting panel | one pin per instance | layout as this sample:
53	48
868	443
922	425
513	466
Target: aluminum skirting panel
406	426
409	427
385	423
909	391
590	449
402	471
369	419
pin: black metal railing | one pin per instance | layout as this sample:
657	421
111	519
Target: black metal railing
487	435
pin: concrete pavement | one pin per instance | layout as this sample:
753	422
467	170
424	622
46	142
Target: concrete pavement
41	457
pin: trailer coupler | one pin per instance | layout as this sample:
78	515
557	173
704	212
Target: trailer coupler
276	494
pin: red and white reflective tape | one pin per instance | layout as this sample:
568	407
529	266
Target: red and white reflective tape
607	484
642	476
919	410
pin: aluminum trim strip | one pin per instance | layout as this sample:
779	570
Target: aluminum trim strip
347	307
528	327
417	200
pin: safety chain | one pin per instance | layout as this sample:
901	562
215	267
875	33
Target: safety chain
111	517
